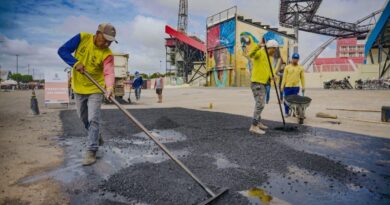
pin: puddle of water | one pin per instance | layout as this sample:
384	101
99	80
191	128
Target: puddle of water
222	162
259	196
115	155
362	154
300	186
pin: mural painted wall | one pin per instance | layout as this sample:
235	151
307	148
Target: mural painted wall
220	53
227	45
247	38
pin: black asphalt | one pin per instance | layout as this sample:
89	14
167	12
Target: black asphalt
306	166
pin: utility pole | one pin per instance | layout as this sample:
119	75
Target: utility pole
17	63
28	69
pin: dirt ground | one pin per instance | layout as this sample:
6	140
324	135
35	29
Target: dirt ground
27	148
29	144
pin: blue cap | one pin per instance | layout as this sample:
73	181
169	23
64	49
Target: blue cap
136	72
295	56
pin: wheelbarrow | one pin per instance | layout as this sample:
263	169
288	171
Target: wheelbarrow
298	105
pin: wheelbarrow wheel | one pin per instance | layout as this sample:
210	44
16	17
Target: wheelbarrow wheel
301	115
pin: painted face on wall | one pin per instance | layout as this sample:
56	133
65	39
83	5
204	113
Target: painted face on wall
220	58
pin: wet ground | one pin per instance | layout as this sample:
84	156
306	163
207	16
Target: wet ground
303	166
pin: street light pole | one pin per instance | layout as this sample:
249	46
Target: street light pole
17	63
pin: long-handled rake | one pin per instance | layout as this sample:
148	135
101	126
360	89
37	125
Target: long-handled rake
284	128
165	149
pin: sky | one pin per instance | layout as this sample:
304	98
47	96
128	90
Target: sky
35	29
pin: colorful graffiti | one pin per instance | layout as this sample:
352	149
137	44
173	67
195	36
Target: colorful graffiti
220	45
228	44
249	41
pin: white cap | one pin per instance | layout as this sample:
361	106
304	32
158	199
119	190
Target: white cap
272	44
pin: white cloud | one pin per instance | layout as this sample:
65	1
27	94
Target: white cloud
15	46
348	10
141	34
75	24
115	3
39	58
143	38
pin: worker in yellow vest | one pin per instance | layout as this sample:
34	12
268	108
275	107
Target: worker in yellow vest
294	75
91	54
260	75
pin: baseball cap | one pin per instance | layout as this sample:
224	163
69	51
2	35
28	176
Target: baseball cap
108	31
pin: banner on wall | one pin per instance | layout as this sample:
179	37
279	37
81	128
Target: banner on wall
56	87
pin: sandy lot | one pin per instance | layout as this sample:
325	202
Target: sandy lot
240	101
27	148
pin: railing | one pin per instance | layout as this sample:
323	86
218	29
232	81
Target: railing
221	16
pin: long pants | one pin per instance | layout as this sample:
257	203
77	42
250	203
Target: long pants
268	90
259	92
88	110
289	91
137	92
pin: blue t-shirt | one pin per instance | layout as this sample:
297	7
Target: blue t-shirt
137	82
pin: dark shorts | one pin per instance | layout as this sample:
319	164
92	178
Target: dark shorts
159	91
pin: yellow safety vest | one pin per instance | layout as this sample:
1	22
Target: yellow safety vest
92	58
260	71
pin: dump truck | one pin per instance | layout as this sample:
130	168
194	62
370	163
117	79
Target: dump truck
121	66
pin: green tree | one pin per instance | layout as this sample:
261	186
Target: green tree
26	78
170	74
16	77
144	76
154	75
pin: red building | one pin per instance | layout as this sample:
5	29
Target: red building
349	52
350	47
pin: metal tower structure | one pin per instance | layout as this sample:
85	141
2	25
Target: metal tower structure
301	15
182	52
370	22
182	18
308	61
